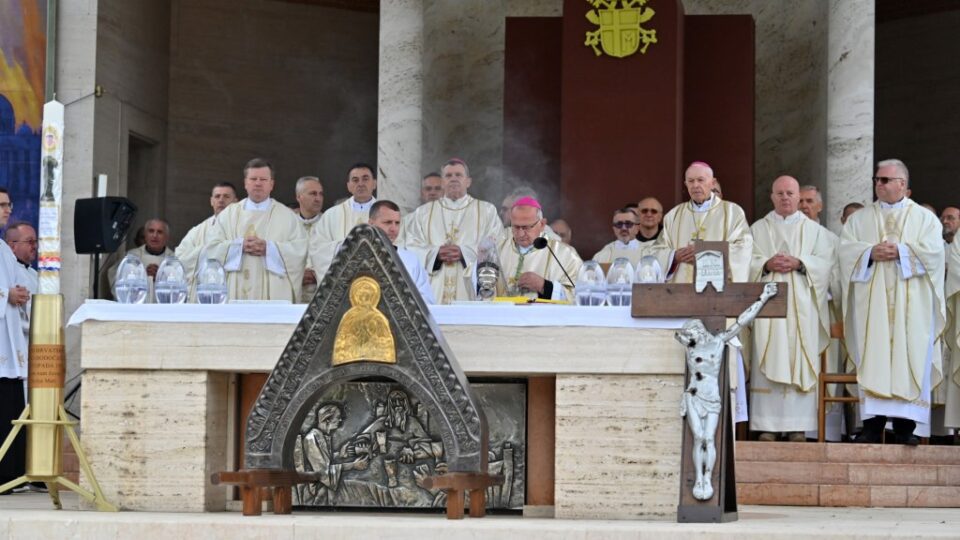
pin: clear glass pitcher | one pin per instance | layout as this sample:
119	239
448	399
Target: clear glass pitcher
211	283
591	287
170	284
130	286
620	282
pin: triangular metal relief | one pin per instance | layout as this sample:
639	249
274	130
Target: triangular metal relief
423	362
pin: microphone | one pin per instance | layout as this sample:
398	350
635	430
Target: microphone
540	243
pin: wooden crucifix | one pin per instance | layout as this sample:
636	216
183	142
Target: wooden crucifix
717	300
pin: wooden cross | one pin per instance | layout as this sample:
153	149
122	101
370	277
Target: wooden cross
713	308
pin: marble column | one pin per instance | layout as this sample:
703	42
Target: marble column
400	114
850	99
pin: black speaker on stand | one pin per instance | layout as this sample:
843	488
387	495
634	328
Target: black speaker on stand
99	226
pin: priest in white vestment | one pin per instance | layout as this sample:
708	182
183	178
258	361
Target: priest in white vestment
156	232
650	212
190	251
22	239
626	225
950	387
532	271
336	222
445	233
892	261
309	193
260	242
13	352
789	248
385	215
704	217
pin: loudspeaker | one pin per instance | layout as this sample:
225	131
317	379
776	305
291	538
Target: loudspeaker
100	224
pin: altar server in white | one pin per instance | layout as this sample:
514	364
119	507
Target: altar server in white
788	247
259	241
385	215
892	262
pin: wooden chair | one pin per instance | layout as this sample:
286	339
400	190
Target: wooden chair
836	332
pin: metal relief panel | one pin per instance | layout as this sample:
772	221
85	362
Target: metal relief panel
370	444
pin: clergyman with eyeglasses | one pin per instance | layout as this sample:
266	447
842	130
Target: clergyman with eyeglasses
529	270
626	225
892	256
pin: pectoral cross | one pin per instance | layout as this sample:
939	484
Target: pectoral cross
712	308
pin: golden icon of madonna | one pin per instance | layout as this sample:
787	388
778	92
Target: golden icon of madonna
364	332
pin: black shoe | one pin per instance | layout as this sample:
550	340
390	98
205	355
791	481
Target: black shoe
868	438
908	439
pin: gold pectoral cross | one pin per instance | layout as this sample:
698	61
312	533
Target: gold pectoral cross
251	231
453	235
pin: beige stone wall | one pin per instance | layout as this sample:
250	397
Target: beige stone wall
617	442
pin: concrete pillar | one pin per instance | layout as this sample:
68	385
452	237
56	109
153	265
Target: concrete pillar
400	120
850	109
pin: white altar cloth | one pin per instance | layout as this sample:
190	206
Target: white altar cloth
446	315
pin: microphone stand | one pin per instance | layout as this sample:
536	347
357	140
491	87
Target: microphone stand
540	243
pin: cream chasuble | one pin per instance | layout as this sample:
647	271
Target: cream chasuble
332	228
894	310
786	352
949	389
632	250
276	276
309	290
464	222
515	261
714	220
190	252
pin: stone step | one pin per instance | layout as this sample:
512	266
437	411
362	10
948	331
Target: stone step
867	474
848	495
847	453
837	474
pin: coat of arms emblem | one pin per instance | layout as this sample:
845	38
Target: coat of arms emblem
620	33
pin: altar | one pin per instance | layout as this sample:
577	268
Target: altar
161	408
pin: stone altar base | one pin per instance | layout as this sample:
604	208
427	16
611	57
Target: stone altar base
838	474
29	516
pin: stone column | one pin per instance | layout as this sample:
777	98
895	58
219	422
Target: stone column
400	103
850	99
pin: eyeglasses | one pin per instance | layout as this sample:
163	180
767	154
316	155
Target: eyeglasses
524	228
649	211
886	179
6	205
624	224
31	242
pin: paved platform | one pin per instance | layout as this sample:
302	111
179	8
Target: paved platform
29	515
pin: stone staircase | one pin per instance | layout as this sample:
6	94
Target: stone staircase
838	474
